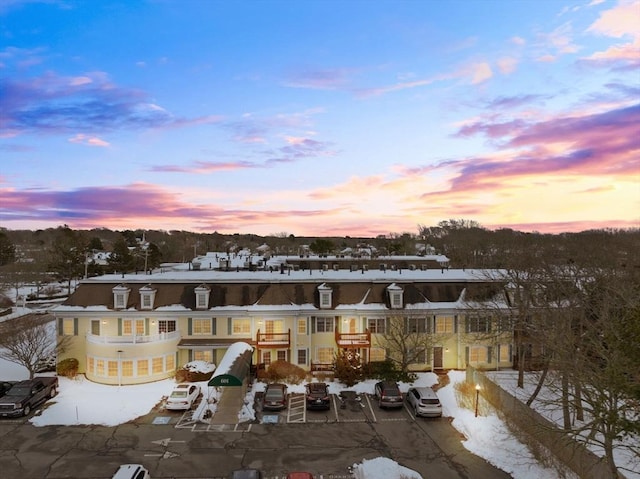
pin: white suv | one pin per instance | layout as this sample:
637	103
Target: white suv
424	402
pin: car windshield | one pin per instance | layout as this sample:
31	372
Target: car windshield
273	394
318	391
19	391
179	394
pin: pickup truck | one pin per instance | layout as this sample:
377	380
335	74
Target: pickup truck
25	395
5	386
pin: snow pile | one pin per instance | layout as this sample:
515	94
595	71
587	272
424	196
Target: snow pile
382	467
200	367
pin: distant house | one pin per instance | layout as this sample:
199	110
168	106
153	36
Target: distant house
140	328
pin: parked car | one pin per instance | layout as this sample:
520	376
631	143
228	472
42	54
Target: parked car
131	471
388	394
275	396
246	474
318	396
25	395
45	365
424	402
183	396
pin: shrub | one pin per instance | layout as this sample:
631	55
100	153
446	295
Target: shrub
285	371
348	368
67	367
195	371
387	371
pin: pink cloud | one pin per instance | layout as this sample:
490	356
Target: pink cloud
618	21
598	144
83	139
204	167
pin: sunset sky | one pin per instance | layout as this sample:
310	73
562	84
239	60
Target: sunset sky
319	118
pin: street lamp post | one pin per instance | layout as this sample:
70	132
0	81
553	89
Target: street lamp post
477	397
119	367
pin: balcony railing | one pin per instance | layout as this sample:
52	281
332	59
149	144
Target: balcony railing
321	367
265	340
152	338
360	340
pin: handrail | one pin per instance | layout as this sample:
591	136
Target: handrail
152	338
354	339
273	338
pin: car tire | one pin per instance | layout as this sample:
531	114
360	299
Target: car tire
26	410
53	392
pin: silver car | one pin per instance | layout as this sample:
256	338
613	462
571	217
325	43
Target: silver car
424	402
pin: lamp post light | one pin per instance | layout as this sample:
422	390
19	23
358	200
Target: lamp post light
477	397
120	351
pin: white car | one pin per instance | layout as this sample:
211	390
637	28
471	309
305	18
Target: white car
183	396
424	402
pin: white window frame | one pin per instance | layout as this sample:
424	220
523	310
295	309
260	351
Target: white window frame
325	296
147	297
120	296
202	296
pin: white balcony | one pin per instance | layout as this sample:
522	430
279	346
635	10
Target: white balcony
153	338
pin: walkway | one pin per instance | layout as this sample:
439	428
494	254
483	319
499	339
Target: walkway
229	405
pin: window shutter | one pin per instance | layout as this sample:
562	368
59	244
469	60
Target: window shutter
146	326
190	358
119	326
229	326
75	326
466	355
455	324
489	354
189	326
313	324
213	327
60	326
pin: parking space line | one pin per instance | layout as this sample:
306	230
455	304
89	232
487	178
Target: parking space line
297	412
375	419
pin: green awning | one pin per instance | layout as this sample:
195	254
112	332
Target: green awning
234	367
225	380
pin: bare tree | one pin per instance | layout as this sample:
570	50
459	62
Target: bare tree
596	359
28	340
406	340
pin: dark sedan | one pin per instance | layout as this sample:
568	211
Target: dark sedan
275	397
318	396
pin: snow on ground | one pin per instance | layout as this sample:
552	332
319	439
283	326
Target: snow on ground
81	401
623	452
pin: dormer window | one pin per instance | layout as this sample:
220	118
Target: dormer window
202	296
325	296
147	297
395	296
120	296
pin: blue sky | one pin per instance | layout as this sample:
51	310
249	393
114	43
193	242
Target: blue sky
319	117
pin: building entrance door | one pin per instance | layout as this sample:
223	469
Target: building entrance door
437	357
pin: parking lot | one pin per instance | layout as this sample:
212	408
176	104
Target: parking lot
348	407
171	444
